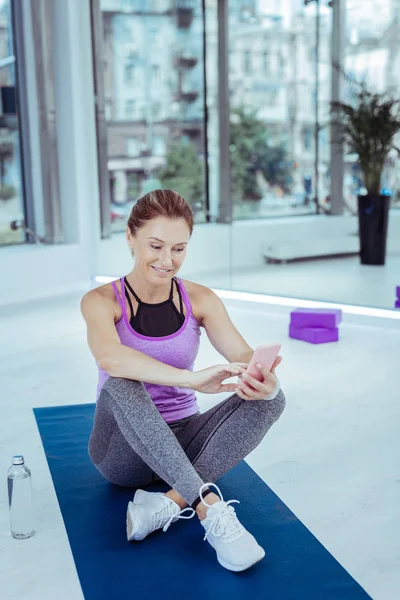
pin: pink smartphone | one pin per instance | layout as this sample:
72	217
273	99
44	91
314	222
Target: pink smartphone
265	355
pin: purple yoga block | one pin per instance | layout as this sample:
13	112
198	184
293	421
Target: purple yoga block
314	335
398	292
397	303
316	317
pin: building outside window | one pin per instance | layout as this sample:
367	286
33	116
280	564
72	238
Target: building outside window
130	68
130	109
133	146
247	62
272	54
271	106
266	62
159	146
11	187
372	55
159	86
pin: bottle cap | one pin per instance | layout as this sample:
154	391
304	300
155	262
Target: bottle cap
18	459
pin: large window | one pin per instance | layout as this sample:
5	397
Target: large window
280	78
154	97
273	91
372	56
11	190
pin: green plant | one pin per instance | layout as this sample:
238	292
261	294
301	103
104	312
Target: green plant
252	153
183	172
6	156
7	192
368	126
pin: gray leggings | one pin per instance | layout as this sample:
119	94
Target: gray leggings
131	444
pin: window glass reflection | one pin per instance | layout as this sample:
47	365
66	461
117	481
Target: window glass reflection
272	53
11	198
372	56
154	94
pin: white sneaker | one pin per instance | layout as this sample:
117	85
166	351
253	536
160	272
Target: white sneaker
150	511
236	548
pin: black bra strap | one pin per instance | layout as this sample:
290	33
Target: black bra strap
130	304
180	297
171	294
171	291
127	284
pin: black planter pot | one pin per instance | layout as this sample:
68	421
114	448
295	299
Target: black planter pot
373	216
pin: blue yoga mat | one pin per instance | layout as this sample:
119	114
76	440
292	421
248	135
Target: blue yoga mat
174	564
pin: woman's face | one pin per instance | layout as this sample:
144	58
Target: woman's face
160	247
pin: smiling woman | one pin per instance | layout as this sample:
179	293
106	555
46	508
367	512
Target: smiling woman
144	332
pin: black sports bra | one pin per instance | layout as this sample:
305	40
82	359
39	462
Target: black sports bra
156	320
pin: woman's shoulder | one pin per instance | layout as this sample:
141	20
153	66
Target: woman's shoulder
198	295
106	290
103	294
194	290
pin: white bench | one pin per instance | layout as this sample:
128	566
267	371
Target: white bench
333	236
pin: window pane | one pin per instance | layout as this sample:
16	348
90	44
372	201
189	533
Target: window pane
372	56
273	107
154	94
11	198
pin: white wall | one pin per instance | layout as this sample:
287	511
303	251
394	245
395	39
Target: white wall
31	272
38	271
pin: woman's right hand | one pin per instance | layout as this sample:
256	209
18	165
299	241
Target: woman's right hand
209	381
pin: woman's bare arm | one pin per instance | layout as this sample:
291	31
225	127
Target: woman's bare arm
117	359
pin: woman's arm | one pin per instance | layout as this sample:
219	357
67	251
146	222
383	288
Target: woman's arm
224	336
119	360
220	330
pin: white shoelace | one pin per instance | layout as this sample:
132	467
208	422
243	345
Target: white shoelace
224	523
168	510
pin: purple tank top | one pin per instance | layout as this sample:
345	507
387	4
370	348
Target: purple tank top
177	350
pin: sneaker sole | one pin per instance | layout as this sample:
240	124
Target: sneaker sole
237	568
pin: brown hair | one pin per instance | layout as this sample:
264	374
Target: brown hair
160	203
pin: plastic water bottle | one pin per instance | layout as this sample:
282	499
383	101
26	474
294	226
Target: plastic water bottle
20	499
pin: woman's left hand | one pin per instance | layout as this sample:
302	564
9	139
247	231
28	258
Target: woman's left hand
249	388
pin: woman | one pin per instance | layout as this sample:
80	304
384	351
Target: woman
144	332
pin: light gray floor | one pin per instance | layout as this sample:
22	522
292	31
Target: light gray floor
340	279
332	458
